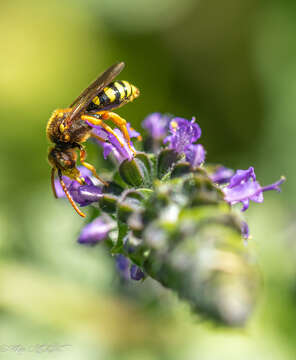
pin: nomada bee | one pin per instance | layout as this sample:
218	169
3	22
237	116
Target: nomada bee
68	128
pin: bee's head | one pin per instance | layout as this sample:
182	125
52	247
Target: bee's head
65	160
57	130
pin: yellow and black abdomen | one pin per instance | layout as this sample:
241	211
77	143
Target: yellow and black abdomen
113	96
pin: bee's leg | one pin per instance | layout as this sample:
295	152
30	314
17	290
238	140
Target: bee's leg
118	121
53	170
99	122
68	195
97	137
89	166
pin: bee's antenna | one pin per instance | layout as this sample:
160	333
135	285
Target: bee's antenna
68	195
53	170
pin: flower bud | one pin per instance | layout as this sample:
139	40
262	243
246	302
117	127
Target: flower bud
137	172
166	159
181	169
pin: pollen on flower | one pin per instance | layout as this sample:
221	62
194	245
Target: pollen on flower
174	124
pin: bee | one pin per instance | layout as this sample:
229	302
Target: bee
68	128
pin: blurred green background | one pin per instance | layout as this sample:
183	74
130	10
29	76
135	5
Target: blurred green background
232	64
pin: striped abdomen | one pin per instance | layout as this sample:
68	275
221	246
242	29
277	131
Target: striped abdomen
114	95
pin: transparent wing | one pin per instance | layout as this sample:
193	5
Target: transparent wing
85	98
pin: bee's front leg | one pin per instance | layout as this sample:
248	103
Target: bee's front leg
89	166
67	193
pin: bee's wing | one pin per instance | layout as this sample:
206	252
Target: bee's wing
85	98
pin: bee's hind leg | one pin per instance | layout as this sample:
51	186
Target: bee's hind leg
99	122
67	193
118	121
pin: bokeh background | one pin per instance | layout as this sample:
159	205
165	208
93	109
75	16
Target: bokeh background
232	64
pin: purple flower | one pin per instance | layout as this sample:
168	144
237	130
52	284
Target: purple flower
243	187
123	265
84	173
95	232
222	175
183	134
157	125
82	194
113	146
126	270
132	132
195	154
85	194
120	153
136	273
242	176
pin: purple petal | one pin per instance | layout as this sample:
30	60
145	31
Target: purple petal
241	192
157	125
275	186
114	147
122	265
183	133
136	273
132	132
222	175
87	194
85	173
107	149
95	231
58	188
258	197
122	152
245	204
195	154
245	230
242	176
243	187
99	131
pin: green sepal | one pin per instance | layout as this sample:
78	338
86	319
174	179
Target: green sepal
108	203
113	188
130	201
137	172
146	160
119	181
180	169
166	159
